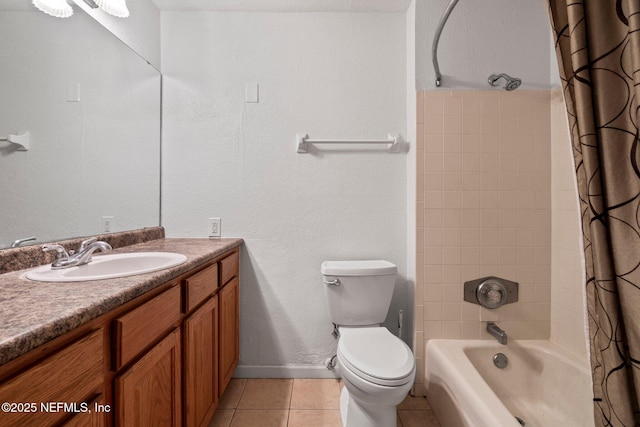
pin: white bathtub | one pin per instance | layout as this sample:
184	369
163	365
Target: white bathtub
543	385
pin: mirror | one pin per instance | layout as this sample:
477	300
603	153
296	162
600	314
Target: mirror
92	108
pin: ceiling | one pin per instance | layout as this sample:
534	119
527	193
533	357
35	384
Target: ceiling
286	5
16	5
258	5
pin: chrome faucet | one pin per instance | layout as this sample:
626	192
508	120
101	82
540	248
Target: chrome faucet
72	258
498	333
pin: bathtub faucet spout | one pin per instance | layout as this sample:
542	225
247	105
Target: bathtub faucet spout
498	333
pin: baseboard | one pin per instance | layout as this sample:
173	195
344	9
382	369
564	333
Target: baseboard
285	371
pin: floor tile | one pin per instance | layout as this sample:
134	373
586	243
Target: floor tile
418	418
314	418
300	403
232	394
260	418
415	402
266	394
222	418
315	394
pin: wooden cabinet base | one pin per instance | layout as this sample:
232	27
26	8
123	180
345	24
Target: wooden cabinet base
229	300
148	393
161	359
68	376
200	335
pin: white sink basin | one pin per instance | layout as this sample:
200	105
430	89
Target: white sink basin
109	266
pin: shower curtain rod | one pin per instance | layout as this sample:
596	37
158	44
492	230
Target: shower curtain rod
436	39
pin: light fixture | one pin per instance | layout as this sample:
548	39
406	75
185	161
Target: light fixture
116	8
62	9
57	8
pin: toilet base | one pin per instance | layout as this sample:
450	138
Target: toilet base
354	414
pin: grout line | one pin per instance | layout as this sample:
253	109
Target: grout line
293	383
244	385
231	419
237	403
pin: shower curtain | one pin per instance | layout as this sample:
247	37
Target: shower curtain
598	51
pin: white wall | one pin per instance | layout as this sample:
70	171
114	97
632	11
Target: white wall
482	38
329	75
140	31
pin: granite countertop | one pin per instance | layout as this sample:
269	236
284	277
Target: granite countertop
32	313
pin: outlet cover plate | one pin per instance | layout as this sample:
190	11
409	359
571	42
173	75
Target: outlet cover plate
215	227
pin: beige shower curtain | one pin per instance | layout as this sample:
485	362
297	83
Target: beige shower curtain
598	50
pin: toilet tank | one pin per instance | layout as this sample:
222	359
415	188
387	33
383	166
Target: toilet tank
364	293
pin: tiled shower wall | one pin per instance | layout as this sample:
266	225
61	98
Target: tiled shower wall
483	208
567	273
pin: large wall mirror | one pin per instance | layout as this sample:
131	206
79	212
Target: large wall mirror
92	108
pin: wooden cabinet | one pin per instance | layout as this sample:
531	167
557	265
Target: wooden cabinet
72	375
162	359
149	392
229	267
200	286
201	363
145	392
139	328
229	299
96	415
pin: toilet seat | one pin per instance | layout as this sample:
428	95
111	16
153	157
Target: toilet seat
376	355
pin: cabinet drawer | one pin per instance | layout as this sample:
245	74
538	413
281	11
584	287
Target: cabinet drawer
70	375
199	286
142	326
229	267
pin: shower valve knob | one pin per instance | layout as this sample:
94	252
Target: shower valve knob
491	292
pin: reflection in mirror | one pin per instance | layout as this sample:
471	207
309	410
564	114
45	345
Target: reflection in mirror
92	108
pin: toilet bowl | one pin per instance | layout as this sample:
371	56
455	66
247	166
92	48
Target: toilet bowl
378	369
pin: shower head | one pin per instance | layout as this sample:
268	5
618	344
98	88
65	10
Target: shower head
512	82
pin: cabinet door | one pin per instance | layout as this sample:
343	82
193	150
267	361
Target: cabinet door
148	393
229	300
200	359
67	376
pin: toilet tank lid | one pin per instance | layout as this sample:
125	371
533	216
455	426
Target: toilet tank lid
358	268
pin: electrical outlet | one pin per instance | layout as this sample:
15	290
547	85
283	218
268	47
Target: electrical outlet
215	227
107	224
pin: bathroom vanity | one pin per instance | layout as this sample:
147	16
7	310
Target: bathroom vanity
151	349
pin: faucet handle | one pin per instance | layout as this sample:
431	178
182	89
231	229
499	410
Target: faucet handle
85	243
61	253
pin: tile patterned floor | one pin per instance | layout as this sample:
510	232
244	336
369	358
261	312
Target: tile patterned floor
299	403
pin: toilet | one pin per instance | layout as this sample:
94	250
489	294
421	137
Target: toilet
378	368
